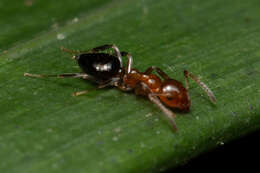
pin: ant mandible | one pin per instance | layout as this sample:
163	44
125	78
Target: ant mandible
106	69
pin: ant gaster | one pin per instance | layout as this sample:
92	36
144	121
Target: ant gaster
106	69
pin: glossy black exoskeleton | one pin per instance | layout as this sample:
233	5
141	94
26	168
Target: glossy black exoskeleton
102	67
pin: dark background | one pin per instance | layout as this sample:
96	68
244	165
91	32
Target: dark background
240	154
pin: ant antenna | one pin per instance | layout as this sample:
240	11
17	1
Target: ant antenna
203	86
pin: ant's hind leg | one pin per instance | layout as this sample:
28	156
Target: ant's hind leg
129	61
80	93
200	83
104	47
87	91
158	70
93	50
65	75
101	48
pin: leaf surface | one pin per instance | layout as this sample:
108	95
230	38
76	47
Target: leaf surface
44	129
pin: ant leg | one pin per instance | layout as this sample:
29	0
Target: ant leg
80	93
87	91
74	52
161	94
199	82
72	75
119	56
158	70
101	48
124	88
169	114
108	46
93	50
129	61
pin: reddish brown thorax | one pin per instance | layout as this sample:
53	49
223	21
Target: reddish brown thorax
170	91
134	79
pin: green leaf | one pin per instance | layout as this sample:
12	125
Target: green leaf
44	129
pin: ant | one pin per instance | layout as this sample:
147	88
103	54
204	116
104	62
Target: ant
106	69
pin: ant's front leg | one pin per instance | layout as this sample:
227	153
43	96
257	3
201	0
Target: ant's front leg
101	85
158	70
200	83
